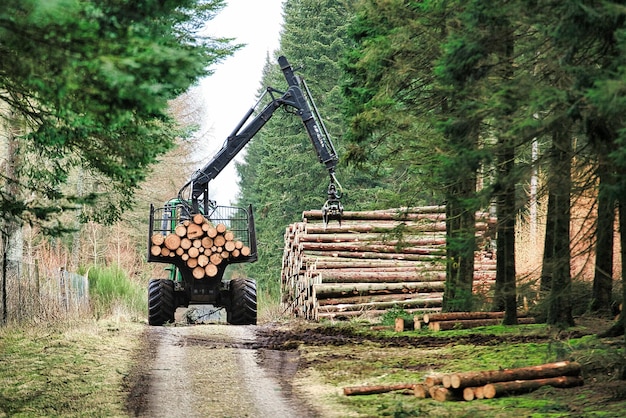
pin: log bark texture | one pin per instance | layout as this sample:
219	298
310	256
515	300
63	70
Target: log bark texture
493	390
370	390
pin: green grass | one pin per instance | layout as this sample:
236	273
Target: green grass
113	292
69	370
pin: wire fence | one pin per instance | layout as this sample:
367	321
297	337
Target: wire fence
30	293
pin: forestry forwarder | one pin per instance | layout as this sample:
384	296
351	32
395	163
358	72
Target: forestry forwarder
187	230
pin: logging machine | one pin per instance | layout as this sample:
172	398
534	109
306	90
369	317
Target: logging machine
200	239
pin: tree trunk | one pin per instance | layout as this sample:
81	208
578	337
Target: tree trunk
603	277
493	390
560	303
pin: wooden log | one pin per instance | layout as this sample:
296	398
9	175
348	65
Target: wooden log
229	235
198	219
329	290
165	252
203	260
211	270
219	240
400	213
472	323
216	259
479	392
445	394
192	263
433	380
172	241
194	231
185	243
370	390
421	302
245	251
157	239
492	390
196	243
180	251
207	242
468	394
198	272
211	232
379	277
421	391
368	247
193	252
238	245
229	246
449	316
404	324
180	230
155	250
221	228
481	378
368	312
394	297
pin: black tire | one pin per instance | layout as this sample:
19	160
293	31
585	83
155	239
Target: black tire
161	301
242	302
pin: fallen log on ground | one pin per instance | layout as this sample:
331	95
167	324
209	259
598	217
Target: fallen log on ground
370	390
450	316
481	378
492	390
473	323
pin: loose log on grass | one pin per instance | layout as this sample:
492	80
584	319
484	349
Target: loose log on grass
421	391
433	380
369	390
449	316
403	324
445	394
472	323
492	390
561	368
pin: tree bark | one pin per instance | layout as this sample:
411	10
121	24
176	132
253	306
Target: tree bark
493	390
560	303
470	379
369	390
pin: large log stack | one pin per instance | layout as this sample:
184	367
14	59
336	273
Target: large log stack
200	246
372	261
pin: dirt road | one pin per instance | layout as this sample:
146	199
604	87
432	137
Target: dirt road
213	370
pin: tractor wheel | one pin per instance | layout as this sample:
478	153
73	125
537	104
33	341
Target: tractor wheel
161	302
242	302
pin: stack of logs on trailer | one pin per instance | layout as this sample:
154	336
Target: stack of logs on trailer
201	245
373	261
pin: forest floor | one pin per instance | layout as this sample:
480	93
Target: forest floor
304	368
119	367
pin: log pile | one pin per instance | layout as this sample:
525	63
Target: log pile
484	384
200	245
490	384
372	261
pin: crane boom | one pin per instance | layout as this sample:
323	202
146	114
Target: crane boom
298	99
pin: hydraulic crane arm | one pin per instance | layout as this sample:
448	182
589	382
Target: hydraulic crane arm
298	100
